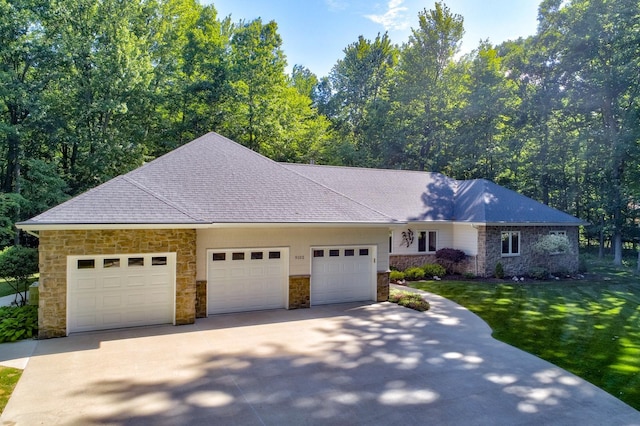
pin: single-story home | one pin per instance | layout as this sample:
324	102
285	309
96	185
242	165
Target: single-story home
213	227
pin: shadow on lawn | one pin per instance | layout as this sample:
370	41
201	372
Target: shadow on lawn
590	328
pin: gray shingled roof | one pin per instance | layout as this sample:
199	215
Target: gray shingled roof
215	180
417	196
210	180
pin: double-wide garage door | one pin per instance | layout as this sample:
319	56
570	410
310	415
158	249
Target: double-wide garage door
342	274
116	291
247	279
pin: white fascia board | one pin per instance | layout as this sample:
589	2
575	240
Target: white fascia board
113	226
300	225
105	226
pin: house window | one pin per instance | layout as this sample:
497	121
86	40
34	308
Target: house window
86	263
318	253
274	255
390	242
427	241
256	255
364	252
111	263
349	252
135	261
237	256
159	261
563	233
334	252
219	256
510	243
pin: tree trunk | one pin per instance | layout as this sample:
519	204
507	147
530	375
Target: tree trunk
617	247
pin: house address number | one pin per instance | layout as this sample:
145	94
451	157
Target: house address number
299	257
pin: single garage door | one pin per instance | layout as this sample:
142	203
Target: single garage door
116	291
247	279
342	274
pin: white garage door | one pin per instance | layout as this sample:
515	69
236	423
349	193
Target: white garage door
342	274
247	279
118	291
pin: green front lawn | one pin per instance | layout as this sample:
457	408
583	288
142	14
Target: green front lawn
590	327
8	379
6	289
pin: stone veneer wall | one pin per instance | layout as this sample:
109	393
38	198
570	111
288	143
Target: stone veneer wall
382	288
201	299
404	261
490	250
299	291
55	246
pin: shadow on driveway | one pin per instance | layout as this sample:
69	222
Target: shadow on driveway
339	364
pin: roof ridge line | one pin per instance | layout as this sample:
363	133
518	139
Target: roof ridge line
338	192
160	198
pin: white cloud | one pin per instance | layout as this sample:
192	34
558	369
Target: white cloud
335	5
394	18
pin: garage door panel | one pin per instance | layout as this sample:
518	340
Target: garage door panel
346	275
113	294
257	282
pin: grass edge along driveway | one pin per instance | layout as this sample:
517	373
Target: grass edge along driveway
590	327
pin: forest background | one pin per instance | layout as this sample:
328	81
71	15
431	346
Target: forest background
90	89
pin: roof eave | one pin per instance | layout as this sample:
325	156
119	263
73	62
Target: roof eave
31	227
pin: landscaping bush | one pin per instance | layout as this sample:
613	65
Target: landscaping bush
409	300
469	275
396	276
451	255
17	323
17	266
414	273
499	271
433	270
450	258
539	273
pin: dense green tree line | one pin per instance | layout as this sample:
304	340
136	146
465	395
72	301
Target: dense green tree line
90	89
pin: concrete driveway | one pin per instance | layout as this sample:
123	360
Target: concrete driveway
343	364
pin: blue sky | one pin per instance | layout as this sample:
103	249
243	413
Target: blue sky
315	32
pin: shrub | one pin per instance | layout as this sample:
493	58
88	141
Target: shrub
414	273
433	270
17	265
17	323
396	276
582	265
469	275
409	300
499	271
552	244
539	273
450	255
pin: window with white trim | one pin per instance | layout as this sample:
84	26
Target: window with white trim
427	241
510	243
564	233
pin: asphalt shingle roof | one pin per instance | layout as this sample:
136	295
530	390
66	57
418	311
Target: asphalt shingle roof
425	196
211	180
215	180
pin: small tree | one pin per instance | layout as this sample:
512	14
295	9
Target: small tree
17	266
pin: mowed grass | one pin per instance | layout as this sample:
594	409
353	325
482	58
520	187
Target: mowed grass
590	327
8	379
6	289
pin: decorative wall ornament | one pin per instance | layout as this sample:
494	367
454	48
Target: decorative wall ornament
407	238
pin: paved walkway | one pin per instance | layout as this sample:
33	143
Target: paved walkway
341	364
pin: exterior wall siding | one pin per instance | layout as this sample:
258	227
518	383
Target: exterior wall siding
55	246
490	250
299	240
